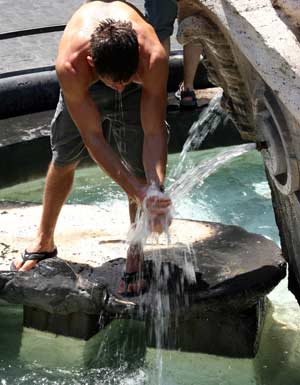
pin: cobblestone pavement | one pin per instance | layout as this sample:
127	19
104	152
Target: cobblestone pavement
39	50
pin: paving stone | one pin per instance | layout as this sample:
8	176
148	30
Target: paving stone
39	50
26	14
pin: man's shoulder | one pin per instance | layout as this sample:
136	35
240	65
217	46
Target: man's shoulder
154	74
74	46
73	69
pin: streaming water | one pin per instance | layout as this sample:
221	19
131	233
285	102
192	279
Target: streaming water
118	122
184	184
119	106
179	186
178	190
207	123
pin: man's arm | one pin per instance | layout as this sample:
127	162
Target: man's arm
153	114
155	150
87	118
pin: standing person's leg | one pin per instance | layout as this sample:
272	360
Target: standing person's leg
133	282
191	52
191	57
161	14
67	149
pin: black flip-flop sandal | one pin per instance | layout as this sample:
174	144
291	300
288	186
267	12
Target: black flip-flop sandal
35	256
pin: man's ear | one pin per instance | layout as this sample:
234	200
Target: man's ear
90	61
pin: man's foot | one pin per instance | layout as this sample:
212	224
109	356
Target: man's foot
28	260
132	282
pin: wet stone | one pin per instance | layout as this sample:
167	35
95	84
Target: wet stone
216	293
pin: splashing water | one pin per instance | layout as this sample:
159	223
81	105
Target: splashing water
208	121
177	191
183	184
140	233
197	175
119	106
119	126
206	124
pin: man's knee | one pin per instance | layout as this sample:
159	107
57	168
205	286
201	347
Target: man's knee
62	169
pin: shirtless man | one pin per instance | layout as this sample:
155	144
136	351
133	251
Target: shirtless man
110	42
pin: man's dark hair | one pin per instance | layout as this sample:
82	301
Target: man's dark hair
115	50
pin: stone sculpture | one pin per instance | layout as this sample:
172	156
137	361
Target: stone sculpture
252	51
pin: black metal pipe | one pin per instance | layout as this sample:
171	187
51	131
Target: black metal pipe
37	89
31	31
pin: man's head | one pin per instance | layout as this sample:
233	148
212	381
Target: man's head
115	50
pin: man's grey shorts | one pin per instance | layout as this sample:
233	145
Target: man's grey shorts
161	14
121	124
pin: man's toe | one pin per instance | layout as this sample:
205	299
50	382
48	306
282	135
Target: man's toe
17	263
28	265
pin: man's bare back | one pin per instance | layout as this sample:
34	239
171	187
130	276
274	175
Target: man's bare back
75	68
75	43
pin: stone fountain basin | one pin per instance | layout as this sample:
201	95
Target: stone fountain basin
223	280
227	261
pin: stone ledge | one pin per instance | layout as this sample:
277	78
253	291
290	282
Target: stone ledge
225	280
226	260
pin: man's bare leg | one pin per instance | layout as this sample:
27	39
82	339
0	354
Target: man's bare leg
134	259
58	184
191	57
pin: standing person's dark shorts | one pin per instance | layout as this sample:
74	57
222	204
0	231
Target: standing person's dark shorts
161	14
121	124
